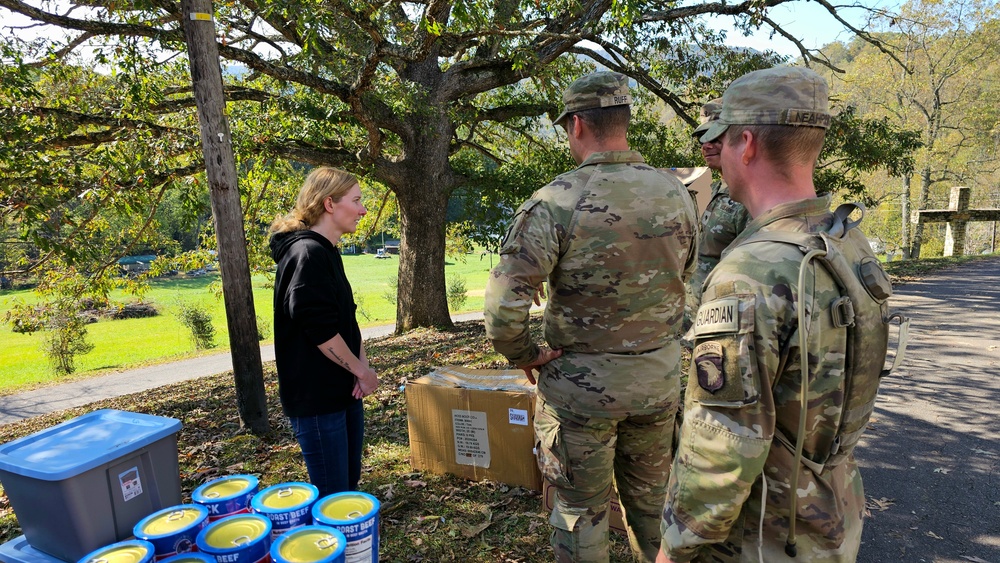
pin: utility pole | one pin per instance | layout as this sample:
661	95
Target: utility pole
237	289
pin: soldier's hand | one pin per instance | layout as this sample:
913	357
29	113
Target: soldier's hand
539	293
545	355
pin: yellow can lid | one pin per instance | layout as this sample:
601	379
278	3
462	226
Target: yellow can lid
347	507
308	546
234	531
121	554
227	487
173	521
288	496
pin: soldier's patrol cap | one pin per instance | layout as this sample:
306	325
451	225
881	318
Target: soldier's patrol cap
786	95
600	89
709	113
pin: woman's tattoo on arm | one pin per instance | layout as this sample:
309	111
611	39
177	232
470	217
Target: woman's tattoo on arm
343	362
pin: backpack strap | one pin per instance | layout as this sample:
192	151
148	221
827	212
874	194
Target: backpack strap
842	219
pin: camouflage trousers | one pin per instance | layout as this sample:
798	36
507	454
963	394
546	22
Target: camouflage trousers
581	457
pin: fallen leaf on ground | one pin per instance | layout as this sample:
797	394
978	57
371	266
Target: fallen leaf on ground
973	559
881	504
387	493
415	483
942	470
935	536
473	531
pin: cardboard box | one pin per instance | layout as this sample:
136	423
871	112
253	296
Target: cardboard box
476	424
615	522
698	181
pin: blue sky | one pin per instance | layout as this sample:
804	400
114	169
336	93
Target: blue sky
808	21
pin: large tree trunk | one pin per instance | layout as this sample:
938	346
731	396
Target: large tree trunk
422	298
925	193
904	228
216	141
422	194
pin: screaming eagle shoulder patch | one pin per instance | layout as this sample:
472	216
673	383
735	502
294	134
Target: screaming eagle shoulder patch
709	365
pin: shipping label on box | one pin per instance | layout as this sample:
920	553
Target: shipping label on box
472	442
476	424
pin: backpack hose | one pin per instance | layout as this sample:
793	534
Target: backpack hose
790	549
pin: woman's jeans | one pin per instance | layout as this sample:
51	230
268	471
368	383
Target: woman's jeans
331	445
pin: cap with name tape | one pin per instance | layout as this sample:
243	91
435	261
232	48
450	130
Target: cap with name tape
596	90
786	95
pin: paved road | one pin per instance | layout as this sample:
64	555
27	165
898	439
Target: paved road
931	458
930	461
81	392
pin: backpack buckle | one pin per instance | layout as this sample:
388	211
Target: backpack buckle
842	311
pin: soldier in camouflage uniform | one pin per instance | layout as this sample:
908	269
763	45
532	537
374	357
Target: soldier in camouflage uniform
735	461
615	240
722	220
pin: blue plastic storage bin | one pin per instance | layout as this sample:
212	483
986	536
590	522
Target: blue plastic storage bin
18	550
86	482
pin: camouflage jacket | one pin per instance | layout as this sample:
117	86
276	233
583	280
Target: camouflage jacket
722	221
743	399
615	240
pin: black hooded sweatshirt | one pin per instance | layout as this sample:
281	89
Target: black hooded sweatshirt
313	302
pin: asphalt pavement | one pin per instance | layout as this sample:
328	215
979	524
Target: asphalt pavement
930	459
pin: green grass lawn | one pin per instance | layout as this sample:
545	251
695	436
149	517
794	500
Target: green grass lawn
120	344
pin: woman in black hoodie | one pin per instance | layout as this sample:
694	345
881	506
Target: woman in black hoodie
323	372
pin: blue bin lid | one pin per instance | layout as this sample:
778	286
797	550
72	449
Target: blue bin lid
83	443
18	550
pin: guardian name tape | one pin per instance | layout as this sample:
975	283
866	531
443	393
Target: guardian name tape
721	315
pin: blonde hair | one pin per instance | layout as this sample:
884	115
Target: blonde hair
322	182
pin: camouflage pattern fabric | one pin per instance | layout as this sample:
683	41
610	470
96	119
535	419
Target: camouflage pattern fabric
721	222
615	240
580	456
744	387
600	89
784	95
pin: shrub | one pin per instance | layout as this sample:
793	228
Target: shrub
200	324
263	328
66	338
362	307
457	293
392	290
134	311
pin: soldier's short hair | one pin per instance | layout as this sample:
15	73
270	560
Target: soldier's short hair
783	145
604	122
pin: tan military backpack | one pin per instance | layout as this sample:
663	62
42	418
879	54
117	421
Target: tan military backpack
863	309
